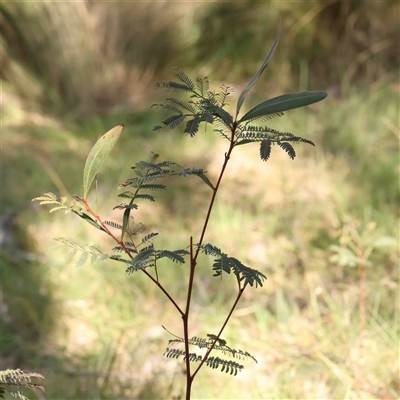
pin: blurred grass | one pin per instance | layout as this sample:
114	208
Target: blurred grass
72	71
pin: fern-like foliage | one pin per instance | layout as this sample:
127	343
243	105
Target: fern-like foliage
207	106
221	346
265	149
288	148
87	252
113	224
224	263
227	366
75	207
204	105
145	175
14	380
268	136
148	257
51	198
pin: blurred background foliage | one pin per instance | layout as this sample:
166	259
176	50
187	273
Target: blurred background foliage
323	228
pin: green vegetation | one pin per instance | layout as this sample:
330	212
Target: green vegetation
87	330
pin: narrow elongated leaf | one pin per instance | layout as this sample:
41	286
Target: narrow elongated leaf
125	221
203	176
90	220
284	103
97	155
258	74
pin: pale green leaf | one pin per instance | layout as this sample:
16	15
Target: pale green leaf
97	155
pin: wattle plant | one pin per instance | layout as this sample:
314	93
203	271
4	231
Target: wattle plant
134	246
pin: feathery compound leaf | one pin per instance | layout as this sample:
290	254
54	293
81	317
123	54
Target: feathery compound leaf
174	120
223	97
192	126
224	263
202	85
258	74
124	206
225	117
183	104
288	148
246	274
265	118
51	198
82	259
13	380
283	103
206	117
149	237
175	256
95	252
230	367
145	197
299	139
113	224
170	107
174	86
97	155
48	197
265	150
154	186
141	260
185	79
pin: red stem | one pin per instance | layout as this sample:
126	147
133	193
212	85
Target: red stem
193	263
227	157
221	330
185	318
122	244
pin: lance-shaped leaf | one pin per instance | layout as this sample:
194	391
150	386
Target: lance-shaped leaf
283	103
203	176
258	74
90	220
97	155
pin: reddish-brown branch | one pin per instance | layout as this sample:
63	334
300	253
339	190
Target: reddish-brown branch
193	263
122	244
221	330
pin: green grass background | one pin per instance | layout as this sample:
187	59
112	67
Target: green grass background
71	71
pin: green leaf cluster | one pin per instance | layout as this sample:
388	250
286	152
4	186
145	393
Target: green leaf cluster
92	252
206	106
224	263
14	380
146	173
227	366
221	346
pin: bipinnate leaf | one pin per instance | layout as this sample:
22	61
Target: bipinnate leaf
283	103
97	155
258	74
